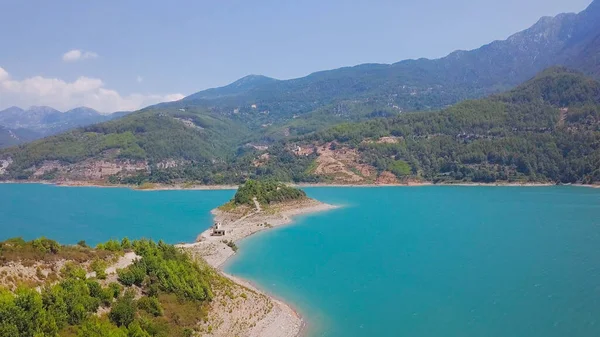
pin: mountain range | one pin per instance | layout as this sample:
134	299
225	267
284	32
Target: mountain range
284	129
23	125
571	40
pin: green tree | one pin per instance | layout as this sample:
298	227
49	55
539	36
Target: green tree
126	244
123	310
100	328
151	305
135	330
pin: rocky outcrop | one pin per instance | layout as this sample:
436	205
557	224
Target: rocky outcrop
262	160
383	140
171	163
335	163
47	167
4	164
90	170
189	123
98	170
387	178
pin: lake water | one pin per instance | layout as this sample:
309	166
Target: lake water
70	214
418	261
438	261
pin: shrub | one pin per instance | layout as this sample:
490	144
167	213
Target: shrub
123	310
99	267
46	245
400	168
231	245
126	277
150	305
71	270
113	246
115	289
99	328
105	295
126	244
39	274
135	330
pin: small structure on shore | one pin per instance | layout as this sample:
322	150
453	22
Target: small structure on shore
217	230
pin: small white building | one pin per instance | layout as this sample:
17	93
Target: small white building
217	230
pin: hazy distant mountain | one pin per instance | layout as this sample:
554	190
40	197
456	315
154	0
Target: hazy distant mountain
10	137
31	118
40	121
238	87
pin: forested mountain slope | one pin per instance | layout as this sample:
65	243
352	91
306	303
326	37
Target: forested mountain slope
546	130
413	85
136	143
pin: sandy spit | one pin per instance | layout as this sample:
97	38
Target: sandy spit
281	320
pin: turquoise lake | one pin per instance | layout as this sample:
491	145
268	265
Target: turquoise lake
70	214
416	261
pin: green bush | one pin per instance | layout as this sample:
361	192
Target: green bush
72	270
231	245
123	310
115	289
126	244
135	274
135	330
99	267
46	245
100	328
126	277
400	168
151	305
111	245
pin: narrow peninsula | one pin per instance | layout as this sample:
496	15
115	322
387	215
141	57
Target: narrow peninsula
256	206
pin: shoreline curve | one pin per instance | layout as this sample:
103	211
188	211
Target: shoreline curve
199	187
283	320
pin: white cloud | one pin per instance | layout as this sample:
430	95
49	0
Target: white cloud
3	74
76	55
173	97
139	79
62	95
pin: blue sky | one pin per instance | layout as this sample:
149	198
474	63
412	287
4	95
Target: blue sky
127	54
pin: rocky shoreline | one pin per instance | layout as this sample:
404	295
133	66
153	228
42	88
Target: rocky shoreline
281	320
197	187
